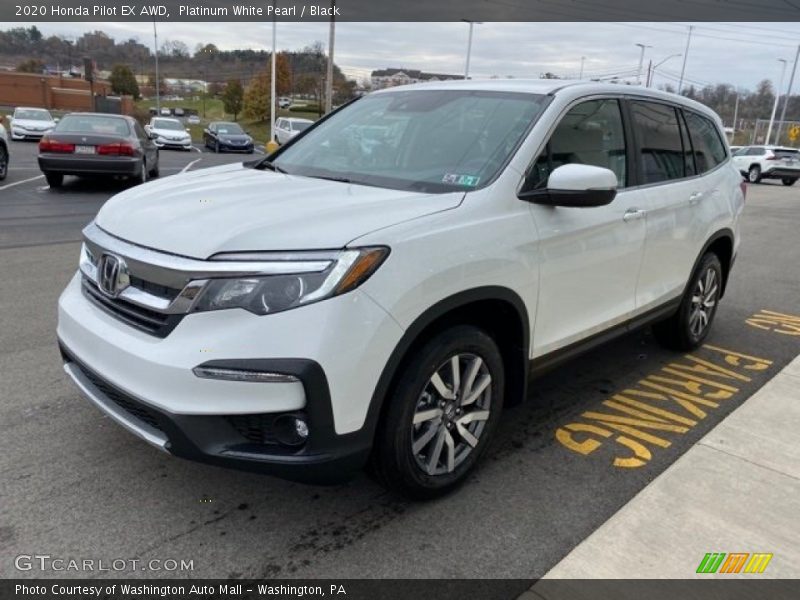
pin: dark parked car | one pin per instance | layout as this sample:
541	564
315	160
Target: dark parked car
97	144
221	135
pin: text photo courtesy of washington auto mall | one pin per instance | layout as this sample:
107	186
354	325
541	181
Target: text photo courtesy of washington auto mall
485	299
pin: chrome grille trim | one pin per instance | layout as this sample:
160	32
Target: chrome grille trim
174	271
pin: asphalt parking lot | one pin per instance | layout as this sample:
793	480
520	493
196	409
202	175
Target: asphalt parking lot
75	485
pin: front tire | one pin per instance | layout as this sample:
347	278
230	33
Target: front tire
154	172
789	181
442	413
689	326
754	174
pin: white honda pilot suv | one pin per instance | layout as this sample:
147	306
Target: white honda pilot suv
374	292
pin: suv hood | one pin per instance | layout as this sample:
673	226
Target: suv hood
233	208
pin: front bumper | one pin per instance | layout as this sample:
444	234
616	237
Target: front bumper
71	164
232	440
146	383
228	147
782	172
181	144
24	134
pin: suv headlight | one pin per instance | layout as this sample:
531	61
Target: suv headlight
317	276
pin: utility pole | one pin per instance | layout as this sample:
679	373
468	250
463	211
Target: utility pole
641	62
685	58
329	73
788	95
583	60
273	76
777	99
469	44
158	92
735	117
649	73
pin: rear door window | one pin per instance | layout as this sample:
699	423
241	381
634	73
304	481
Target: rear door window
709	149
658	135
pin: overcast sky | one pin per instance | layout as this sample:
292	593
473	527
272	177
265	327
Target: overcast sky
738	53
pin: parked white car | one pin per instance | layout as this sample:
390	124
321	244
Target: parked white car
288	127
31	123
338	302
193	120
169	133
284	102
768	162
4	155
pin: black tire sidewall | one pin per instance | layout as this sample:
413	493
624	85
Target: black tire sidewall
400	467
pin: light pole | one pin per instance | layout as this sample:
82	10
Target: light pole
329	74
777	98
641	63
788	95
469	44
583	60
272	78
158	92
650	76
685	58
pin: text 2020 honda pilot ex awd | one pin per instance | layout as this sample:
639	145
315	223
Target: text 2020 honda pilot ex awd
378	289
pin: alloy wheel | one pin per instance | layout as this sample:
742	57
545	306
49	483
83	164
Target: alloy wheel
451	414
704	300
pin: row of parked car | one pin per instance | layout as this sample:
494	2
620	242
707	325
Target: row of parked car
106	144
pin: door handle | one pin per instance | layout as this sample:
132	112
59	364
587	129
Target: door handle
633	214
695	198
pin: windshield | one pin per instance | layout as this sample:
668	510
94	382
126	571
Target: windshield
93	124
426	140
164	124
229	129
32	114
300	126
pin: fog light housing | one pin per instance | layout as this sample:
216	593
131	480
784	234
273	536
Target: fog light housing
291	430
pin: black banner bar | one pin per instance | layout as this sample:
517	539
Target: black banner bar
399	10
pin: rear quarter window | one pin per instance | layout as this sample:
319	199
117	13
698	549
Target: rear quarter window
709	149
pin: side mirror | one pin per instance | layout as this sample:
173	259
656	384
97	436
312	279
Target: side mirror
575	185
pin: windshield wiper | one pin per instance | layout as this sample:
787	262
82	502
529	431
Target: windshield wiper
265	163
332	178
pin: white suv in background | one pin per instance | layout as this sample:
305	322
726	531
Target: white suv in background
768	162
288	127
340	303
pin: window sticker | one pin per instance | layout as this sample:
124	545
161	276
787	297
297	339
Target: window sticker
456	179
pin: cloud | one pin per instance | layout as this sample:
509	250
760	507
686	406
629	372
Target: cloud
738	53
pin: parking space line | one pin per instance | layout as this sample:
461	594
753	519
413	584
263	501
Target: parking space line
189	166
10	185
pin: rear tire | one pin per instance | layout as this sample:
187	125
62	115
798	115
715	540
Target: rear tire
754	174
689	326
438	424
154	172
3	161
54	180
789	181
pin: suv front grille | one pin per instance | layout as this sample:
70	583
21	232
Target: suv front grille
141	318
